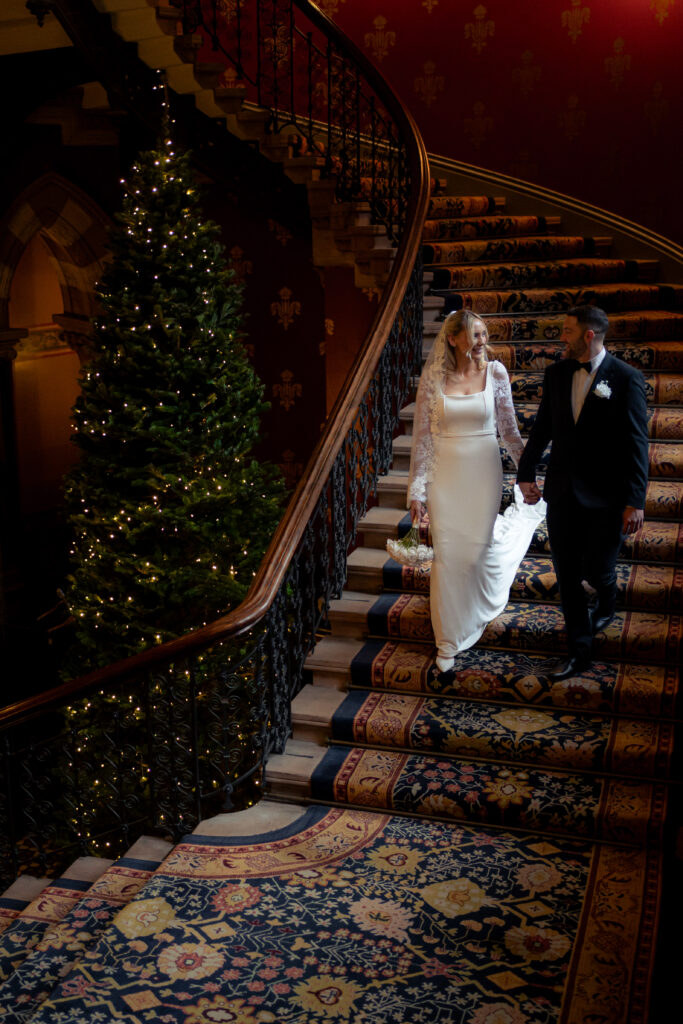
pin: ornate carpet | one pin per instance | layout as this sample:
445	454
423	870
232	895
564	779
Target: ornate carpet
364	918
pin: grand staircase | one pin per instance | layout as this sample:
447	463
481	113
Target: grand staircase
492	763
583	772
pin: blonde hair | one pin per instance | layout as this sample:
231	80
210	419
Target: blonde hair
462	320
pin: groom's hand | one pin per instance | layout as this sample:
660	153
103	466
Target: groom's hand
632	519
530	492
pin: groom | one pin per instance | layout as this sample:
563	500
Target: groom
593	410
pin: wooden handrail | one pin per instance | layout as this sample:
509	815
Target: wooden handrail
288	534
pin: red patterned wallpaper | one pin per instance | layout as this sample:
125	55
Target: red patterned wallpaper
581	96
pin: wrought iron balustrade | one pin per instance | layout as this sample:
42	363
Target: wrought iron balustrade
183	730
290	60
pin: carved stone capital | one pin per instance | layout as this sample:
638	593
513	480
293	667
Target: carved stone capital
76	331
9	340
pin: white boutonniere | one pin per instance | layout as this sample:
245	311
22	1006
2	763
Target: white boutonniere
603	390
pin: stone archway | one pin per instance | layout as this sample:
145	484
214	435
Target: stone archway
74	229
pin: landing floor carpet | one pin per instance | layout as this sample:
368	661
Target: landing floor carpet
348	916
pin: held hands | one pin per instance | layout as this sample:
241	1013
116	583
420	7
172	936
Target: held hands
416	511
530	492
632	520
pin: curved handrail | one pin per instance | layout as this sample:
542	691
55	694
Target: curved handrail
290	531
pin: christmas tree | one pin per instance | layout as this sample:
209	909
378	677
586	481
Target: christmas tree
170	512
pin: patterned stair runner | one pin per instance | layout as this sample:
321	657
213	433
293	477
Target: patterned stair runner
496	743
54	932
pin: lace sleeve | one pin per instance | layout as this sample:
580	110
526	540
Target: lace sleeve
506	421
422	452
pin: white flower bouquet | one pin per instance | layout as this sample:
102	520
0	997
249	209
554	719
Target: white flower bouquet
408	550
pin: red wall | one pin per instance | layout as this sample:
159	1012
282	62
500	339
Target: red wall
581	96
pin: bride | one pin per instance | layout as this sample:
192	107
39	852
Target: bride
456	470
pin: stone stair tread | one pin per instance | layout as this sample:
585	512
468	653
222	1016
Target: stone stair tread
290	773
263	817
330	659
26	887
315	705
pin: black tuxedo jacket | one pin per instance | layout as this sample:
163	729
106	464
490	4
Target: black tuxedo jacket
602	459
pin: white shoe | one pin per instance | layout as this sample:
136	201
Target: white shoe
445	664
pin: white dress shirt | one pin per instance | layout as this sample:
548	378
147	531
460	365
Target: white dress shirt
581	383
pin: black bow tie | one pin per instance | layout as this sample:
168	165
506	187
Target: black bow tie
588	367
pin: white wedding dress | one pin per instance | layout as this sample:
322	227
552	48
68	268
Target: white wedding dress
476	551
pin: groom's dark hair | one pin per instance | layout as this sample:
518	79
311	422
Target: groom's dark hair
591	317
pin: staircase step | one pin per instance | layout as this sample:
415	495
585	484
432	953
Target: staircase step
493	794
462	728
613	298
666	458
511	250
652	587
631	636
464	206
639	325
46	910
488	227
563	273
663	499
63	944
509	677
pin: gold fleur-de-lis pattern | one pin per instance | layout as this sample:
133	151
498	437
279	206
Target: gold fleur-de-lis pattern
519	61
575	18
291	468
656	108
330	7
286	309
480	30
381	40
618	63
428	85
573	119
661	9
287	391
479	126
527	76
282	234
240	266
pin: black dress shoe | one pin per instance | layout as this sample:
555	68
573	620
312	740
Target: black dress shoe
599	622
573	665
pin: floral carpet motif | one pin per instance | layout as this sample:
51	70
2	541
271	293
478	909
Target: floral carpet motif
9	909
64	941
482	227
397	922
633	636
634	747
24	932
533	275
655	587
611	297
530	248
657	325
517	677
501	795
460	206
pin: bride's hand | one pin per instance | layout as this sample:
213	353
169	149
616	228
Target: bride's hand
416	511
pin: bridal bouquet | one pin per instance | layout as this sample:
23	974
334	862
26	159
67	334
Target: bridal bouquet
408	550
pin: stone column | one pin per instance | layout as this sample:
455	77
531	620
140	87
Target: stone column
10	509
